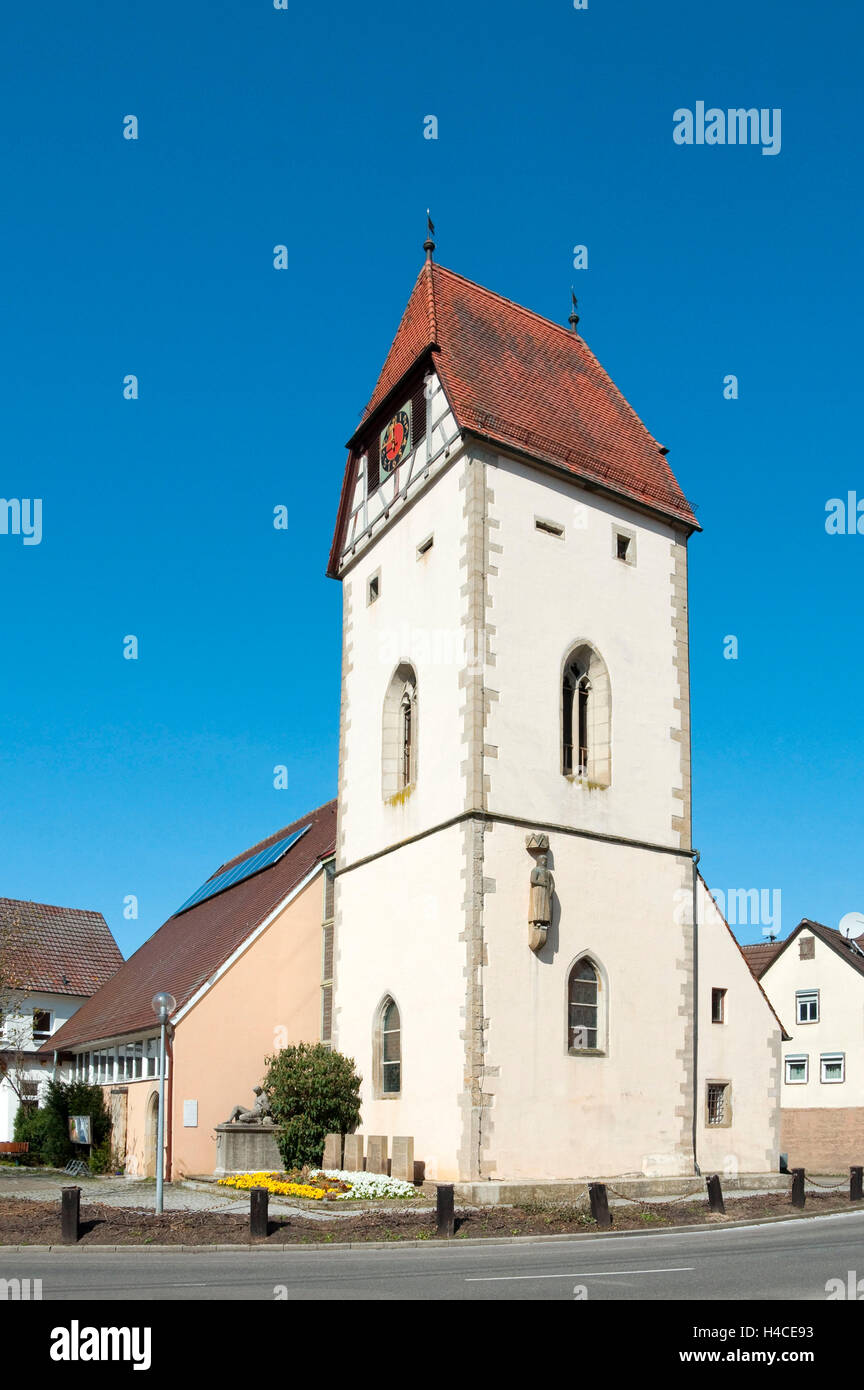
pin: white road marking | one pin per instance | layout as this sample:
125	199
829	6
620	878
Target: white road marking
590	1274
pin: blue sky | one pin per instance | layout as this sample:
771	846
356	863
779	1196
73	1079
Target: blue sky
305	127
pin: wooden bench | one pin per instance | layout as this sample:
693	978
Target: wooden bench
13	1146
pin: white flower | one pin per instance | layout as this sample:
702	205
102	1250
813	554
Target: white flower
368	1184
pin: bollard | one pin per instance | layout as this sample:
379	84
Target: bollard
715	1194
444	1208
599	1204
258	1200
856	1184
70	1215
798	1187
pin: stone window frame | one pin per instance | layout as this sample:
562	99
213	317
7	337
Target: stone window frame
425	545
719	993
393	784
629	535
832	1057
807	994
793	1059
547	527
602	1048
373	587
726	1084
378	1050
599	765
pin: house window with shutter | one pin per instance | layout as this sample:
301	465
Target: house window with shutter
327	952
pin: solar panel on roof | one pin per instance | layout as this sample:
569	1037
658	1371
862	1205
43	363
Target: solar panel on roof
245	869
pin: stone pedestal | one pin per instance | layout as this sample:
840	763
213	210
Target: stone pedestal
402	1160
376	1154
353	1159
247	1149
332	1151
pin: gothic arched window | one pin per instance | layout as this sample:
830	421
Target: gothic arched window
586	1004
387	1057
399	733
586	717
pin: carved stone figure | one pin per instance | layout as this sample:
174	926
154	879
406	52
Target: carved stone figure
540	903
260	1114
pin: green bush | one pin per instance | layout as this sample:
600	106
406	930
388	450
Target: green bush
30	1127
313	1092
103	1159
47	1129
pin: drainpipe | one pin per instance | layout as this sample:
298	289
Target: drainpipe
696	1092
54	1066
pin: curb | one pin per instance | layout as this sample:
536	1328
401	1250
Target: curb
434	1242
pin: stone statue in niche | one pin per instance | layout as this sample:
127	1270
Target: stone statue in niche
542	888
260	1114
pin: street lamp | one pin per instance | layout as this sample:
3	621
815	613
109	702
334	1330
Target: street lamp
164	1005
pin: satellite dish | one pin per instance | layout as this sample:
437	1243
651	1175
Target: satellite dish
852	924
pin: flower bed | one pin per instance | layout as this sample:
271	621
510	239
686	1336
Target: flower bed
320	1184
368	1184
314	1185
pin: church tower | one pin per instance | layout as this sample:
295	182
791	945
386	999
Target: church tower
512	548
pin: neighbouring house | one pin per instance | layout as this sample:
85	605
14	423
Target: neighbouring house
248	959
52	959
815	980
512	547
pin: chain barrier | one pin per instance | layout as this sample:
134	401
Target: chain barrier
829	1186
649	1206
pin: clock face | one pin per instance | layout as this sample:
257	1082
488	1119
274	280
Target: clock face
395	440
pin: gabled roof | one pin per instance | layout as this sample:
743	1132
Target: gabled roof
190	947
527	383
63	950
760	955
829	935
742	949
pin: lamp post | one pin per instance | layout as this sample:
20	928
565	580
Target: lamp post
164	1005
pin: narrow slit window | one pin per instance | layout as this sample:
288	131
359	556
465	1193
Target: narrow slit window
550	528
425	546
718	1006
373	588
622	546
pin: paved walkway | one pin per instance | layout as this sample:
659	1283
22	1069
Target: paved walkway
141	1192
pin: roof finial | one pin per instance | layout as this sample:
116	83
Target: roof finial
574	317
429	245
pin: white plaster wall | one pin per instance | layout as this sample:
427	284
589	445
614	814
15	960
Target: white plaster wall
561	1116
415	619
744	1050
840	1027
550	593
62	1007
401	920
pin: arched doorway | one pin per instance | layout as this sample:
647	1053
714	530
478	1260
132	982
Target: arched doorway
151	1132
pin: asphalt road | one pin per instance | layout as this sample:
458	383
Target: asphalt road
789	1260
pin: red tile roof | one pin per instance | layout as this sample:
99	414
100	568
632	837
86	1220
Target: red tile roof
520	380
760	955
191	946
62	950
759	961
